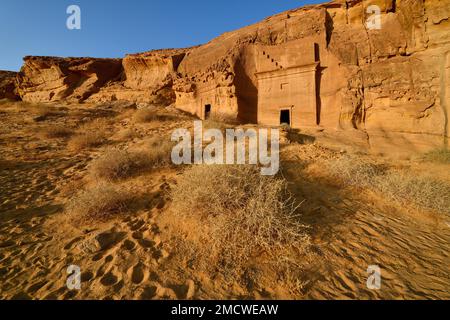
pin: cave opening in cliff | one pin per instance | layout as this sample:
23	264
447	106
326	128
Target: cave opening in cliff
285	117
207	111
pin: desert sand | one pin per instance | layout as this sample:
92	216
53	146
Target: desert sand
132	254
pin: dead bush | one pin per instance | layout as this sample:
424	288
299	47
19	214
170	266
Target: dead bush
402	186
120	164
98	203
58	131
159	151
438	155
353	171
233	215
117	164
127	134
90	135
151	115
421	191
87	140
220	121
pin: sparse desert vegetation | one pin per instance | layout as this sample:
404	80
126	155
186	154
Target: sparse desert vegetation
90	135
220	122
142	228
117	164
400	185
98	203
58	131
438	155
90	139
151	115
237	215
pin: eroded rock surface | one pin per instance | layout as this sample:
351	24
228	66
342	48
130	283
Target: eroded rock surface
147	77
44	79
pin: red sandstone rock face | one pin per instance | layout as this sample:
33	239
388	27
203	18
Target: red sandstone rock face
392	83
8	85
320	63
72	79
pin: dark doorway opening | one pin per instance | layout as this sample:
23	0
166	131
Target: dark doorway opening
285	117
207	111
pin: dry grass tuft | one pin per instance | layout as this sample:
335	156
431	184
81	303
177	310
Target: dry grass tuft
90	135
439	156
127	134
220	121
235	215
402	186
98	203
159	151
119	164
91	139
57	131
151	115
354	171
422	191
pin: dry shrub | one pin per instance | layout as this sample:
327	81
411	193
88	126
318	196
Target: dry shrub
58	131
127	134
220	121
90	135
120	164
87	140
353	171
117	164
402	186
438	155
151	115
235	215
98	203
419	190
159	151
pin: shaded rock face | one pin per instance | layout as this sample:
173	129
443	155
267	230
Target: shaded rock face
44	79
8	85
317	66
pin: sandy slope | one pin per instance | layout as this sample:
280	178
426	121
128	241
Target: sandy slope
130	257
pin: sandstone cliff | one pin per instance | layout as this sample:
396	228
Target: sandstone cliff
391	83
322	63
146	77
73	79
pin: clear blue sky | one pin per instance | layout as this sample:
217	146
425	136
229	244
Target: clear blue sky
112	28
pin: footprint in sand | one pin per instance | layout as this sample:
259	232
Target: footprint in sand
110	278
149	293
184	291
138	273
129	245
